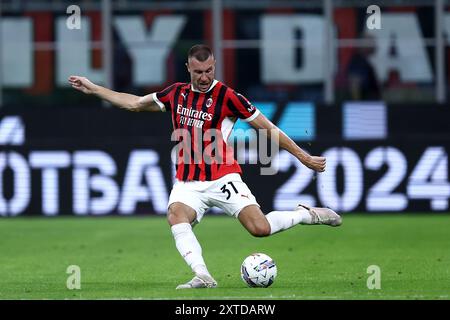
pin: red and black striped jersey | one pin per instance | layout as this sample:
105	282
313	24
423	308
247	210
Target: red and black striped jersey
202	123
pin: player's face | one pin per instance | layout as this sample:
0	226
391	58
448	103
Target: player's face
202	73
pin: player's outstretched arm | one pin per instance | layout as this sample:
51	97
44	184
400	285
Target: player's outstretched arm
286	143
122	100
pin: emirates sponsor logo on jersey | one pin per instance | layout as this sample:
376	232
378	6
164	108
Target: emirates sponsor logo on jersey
193	118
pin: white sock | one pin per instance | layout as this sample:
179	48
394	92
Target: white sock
282	220
189	247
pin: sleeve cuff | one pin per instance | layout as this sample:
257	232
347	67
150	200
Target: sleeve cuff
160	104
252	117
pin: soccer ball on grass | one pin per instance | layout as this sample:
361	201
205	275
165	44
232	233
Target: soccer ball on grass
258	270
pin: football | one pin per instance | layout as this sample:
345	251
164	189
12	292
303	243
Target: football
258	270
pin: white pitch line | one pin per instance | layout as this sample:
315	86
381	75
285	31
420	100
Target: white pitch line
285	297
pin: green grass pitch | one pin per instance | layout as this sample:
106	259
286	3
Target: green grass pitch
135	258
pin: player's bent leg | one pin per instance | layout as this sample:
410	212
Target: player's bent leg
180	217
261	225
252	218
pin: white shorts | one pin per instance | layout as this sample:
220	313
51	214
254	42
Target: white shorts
228	193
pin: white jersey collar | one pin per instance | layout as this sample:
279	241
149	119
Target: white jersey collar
212	86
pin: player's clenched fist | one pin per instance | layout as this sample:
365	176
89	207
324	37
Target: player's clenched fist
83	84
316	163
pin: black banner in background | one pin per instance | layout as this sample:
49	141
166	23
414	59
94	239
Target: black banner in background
102	162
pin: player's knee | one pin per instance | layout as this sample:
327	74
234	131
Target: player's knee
177	214
172	218
260	230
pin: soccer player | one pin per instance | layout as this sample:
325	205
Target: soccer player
208	107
